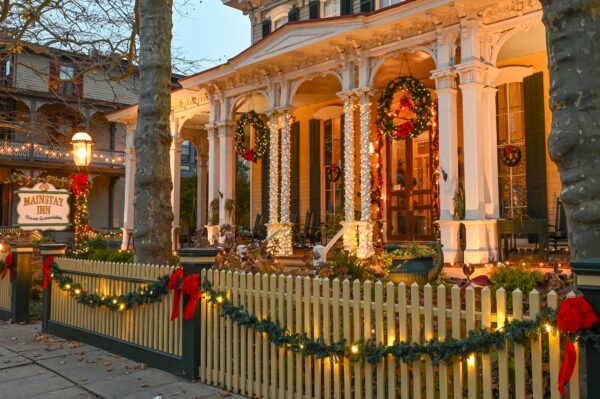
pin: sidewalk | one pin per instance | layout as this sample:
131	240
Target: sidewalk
33	365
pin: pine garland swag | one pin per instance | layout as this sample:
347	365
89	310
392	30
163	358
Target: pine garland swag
261	137
420	103
451	350
150	293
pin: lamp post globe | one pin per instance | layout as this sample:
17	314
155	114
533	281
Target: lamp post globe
82	149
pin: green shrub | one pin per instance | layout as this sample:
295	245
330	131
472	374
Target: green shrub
97	244
117	256
511	278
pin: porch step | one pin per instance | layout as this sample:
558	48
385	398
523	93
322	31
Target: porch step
293	263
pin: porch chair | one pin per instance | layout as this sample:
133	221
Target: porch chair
315	233
303	233
558	230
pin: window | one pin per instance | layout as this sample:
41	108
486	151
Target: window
511	130
346	7
294	14
332	141
66	72
331	8
266	27
366	6
314	8
280	22
6	73
185	151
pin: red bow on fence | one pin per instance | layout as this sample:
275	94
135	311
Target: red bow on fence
573	315
46	270
9	266
189	286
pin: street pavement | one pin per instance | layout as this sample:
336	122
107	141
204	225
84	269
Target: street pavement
37	366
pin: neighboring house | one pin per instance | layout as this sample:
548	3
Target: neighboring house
38	119
316	71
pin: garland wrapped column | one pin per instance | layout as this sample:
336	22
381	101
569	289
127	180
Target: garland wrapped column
350	243
285	237
273	225
365	226
80	188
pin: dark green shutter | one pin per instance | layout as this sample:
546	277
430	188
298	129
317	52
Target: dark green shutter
295	173
346	7
264	206
535	145
294	14
315	165
366	6
314	9
266	27
343	159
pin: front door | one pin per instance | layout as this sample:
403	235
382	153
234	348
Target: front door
409	210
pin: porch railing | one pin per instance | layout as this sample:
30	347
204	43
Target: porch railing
25	151
322	251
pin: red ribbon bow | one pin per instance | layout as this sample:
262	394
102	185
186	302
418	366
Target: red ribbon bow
174	285
9	265
573	315
46	270
189	286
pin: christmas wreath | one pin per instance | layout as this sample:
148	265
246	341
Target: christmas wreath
511	155
333	173
261	137
414	110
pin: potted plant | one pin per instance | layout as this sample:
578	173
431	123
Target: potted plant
415	262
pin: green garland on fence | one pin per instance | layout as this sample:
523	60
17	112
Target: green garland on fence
479	341
150	293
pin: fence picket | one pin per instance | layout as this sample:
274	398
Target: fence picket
403	337
536	349
574	388
356	335
379	337
486	360
368	334
235	362
337	388
281	320
298	329
428	315
554	350
456	334
501	319
415	322
274	350
391	333
316	301
519	350
327	338
308	384
441	329
289	295
265	340
347	334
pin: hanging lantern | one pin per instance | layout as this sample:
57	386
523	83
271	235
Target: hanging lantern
82	149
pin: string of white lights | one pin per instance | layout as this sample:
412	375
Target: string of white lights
285	243
350	227
273	170
365	226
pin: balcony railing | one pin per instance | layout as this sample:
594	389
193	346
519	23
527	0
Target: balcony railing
24	151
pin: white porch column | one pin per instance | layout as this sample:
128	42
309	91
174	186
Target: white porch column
201	194
274	201
446	91
213	181
175	160
129	185
285	237
365	226
472	79
350	232
492	200
227	170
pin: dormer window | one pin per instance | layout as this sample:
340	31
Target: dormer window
66	74
294	14
314	8
266	27
331	8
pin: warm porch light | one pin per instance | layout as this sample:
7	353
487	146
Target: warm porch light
82	149
371	148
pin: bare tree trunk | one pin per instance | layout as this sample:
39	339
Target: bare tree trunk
152	198
573	37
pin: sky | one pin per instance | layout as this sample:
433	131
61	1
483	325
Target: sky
208	32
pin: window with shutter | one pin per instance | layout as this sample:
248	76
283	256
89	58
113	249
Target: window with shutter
6	72
266	27
346	7
314	9
294	14
66	86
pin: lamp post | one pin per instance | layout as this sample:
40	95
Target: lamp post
82	155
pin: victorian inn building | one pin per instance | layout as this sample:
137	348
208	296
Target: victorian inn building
462	84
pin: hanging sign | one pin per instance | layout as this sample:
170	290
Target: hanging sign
43	207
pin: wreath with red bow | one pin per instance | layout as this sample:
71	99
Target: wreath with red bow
261	137
333	173
414	108
511	155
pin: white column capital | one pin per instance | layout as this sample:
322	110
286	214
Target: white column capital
346	94
445	79
472	73
130	128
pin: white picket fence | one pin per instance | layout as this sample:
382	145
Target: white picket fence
245	362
